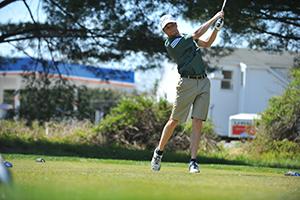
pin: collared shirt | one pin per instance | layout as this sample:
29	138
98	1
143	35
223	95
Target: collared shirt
187	55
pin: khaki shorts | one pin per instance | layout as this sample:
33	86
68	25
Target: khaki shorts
189	92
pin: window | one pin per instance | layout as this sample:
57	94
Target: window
226	83
9	96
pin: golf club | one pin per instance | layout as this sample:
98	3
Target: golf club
224	2
220	21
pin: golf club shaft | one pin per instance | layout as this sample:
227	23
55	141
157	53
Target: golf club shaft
224	2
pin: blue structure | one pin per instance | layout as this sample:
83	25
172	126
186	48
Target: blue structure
68	71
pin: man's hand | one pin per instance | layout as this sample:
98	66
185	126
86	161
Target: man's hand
219	14
204	27
219	24
220	20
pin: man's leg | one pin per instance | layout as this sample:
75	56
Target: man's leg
167	133
195	139
165	136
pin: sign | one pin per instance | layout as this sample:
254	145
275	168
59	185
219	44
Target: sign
242	125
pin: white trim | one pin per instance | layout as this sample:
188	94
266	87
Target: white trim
175	42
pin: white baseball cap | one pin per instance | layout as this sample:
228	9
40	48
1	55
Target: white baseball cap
165	19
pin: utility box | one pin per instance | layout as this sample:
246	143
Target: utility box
242	125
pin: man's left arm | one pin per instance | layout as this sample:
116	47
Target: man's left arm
208	42
202	29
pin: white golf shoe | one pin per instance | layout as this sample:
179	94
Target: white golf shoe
155	162
194	167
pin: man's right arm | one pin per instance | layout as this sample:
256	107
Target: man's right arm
204	27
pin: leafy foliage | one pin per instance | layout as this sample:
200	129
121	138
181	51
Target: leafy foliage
208	140
278	134
135	122
90	100
92	31
65	131
269	25
46	100
281	120
89	31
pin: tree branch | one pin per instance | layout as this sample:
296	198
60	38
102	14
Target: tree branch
46	31
6	2
28	9
280	19
289	37
71	16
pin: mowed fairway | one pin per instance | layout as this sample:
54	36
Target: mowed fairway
79	178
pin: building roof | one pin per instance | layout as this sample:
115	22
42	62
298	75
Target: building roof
255	58
23	65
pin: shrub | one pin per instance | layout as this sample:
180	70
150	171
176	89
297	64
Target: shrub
278	133
269	150
281	120
90	100
208	141
135	122
45	101
71	131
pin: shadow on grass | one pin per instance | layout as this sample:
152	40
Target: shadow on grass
110	152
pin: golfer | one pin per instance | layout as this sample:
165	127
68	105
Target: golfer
193	88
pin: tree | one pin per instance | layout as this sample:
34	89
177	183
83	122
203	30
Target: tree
90	100
91	31
88	31
45	100
263	24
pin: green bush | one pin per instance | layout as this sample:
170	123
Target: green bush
278	135
135	122
69	132
90	100
281	120
45	101
209	138
276	151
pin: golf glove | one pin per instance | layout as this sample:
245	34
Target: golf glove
219	24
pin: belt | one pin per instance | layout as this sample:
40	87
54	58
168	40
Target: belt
194	76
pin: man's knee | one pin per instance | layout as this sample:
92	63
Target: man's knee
197	122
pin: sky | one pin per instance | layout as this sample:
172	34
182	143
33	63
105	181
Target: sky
17	12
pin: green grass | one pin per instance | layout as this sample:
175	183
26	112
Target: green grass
114	152
81	178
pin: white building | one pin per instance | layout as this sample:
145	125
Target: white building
13	70
246	81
